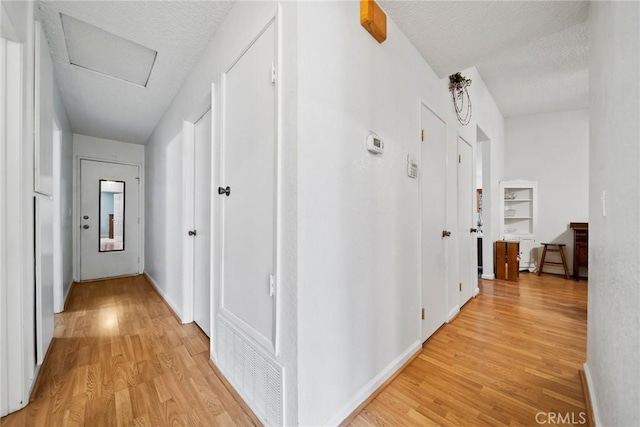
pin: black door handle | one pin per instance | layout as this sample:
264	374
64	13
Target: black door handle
226	191
473	230
192	232
446	233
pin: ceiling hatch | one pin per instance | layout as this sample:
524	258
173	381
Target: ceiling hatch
103	52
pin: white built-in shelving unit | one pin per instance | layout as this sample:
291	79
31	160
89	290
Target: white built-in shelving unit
519	217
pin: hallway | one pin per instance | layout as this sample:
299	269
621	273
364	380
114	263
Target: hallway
513	352
120	357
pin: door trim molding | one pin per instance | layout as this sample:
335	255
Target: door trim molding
77	178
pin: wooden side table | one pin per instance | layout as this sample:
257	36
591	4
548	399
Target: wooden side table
580	247
507	261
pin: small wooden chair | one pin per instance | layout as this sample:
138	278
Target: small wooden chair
553	247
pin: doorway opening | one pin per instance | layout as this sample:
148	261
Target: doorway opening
483	191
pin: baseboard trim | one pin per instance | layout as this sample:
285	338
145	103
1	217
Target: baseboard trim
488	276
172	307
374	387
102	279
593	418
476	292
37	383
453	313
66	297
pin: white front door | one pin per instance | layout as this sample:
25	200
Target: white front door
433	221
467	240
109	219
202	224
246	191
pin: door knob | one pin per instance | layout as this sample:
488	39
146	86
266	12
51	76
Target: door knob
192	232
473	230
446	233
226	191
86	226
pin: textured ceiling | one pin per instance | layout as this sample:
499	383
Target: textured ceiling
532	55
109	108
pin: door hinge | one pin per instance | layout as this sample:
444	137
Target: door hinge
422	313
459	158
273	72
272	285
422	135
460	287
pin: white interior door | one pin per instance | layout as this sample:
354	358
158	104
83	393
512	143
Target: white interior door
467	243
43	216
202	224
248	170
109	219
433	220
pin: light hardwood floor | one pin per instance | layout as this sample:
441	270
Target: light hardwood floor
513	352
120	358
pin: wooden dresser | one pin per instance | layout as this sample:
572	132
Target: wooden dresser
580	247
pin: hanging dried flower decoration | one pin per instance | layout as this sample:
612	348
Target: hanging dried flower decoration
458	85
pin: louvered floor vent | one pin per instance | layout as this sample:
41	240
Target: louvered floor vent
252	372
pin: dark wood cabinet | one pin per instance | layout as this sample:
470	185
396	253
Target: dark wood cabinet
580	247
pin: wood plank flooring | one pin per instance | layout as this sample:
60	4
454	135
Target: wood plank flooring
513	352
120	358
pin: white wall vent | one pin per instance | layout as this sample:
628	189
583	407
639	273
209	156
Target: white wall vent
255	375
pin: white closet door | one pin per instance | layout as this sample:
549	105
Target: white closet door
202	224
248	158
433	222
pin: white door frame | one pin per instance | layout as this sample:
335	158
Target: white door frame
487	207
188	211
58	292
422	103
78	207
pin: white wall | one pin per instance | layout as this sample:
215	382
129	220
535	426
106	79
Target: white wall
613	326
552	149
359	283
89	147
18	350
164	165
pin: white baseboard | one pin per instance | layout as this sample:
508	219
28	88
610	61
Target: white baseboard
369	388
488	276
164	296
476	291
594	403
453	313
66	296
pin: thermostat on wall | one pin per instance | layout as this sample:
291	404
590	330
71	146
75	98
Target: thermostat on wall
375	144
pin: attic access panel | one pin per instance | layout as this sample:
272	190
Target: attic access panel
98	50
